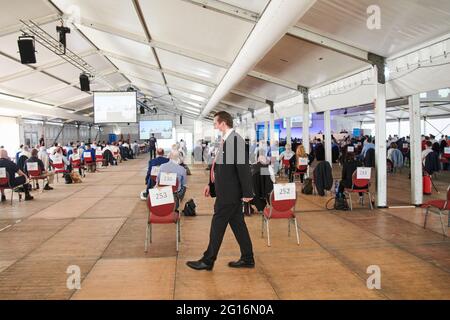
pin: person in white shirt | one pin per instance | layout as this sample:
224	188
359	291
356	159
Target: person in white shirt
58	156
43	156
427	151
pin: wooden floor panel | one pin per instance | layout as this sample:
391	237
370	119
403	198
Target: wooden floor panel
99	226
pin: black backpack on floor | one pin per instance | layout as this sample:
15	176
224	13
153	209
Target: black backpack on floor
68	178
307	186
189	208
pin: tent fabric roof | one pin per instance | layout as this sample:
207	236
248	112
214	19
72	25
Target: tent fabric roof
178	51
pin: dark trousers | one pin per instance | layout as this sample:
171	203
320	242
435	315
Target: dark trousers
17	181
152	153
224	215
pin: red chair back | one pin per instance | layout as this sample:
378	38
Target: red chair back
286	163
360	183
59	167
162	210
302	169
4	181
174	188
281	205
75	163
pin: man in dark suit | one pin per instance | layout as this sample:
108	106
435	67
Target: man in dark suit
231	184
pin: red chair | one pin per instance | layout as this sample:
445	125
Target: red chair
5	184
359	186
301	170
286	164
58	168
99	158
35	175
282	209
163	214
441	205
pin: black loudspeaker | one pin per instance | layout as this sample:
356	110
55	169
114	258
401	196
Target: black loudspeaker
181	119
84	83
142	110
27	49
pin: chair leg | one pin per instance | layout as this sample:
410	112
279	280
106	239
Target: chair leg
262	225
146	240
177	235
268	233
425	220
296	231
444	232
289	227
370	200
350	201
150	232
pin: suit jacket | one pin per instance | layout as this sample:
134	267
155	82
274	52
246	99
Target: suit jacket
233	180
323	177
262	185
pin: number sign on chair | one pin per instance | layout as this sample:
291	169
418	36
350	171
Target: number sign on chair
168	179
75	157
350	149
363	173
161	196
32	166
447	150
284	191
2	173
303	161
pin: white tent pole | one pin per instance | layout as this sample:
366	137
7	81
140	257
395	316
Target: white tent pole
288	130
266	131
415	150
327	142
277	18
380	141
272	128
306	124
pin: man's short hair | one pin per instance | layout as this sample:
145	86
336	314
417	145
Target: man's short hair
174	155
160	151
223	116
34	152
429	143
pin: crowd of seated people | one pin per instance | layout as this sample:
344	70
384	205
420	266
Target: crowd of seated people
73	157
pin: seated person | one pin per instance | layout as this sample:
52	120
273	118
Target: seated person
287	154
50	176
58	156
91	165
173	166
156	162
348	168
12	169
295	163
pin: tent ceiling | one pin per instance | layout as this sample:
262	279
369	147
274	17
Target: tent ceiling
404	23
186	47
299	61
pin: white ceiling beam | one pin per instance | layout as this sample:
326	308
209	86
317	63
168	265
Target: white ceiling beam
277	18
71	100
74	83
40	68
227	9
40	21
155	68
232	104
249	96
35	108
326	42
155	44
274	80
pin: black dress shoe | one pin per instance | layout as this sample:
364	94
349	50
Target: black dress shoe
241	264
199	265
